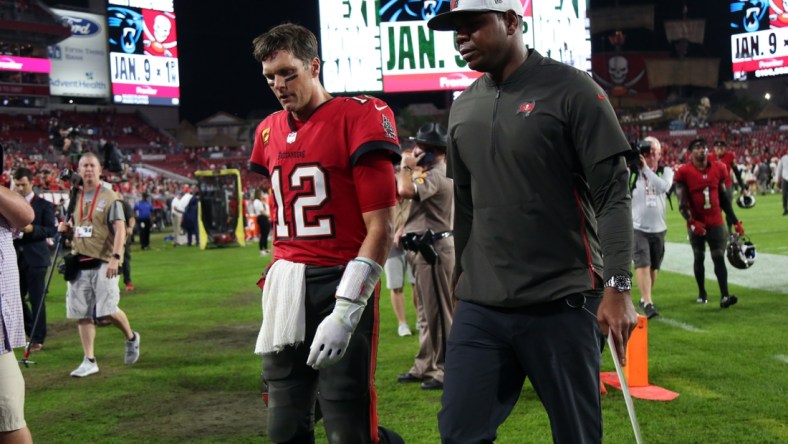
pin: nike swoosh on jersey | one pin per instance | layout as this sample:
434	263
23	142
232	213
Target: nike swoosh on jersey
381	108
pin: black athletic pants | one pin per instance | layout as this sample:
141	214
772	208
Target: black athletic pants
715	237
264	225
344	390
144	233
491	351
126	267
785	194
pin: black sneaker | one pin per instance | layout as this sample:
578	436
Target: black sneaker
432	384
702	299
408	377
650	310
727	301
642	305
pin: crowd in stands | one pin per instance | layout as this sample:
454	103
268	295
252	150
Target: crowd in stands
753	143
31	140
21	10
36	138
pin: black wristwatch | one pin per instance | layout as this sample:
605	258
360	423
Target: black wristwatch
116	256
620	282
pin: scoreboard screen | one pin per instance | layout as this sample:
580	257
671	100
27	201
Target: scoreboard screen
759	38
386	46
143	52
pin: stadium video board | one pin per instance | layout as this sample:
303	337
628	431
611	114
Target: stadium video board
79	63
386	46
143	52
759	38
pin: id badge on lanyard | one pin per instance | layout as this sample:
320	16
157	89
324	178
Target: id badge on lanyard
84	231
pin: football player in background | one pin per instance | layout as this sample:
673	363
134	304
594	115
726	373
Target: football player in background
723	154
700	186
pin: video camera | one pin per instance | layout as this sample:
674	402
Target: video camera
637	149
420	243
66	175
113	158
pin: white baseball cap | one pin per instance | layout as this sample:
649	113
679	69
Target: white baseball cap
445	21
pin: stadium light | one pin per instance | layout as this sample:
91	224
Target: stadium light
767	96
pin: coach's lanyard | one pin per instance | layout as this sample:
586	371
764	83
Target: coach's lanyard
92	205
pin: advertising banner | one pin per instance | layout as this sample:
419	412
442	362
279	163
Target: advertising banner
79	63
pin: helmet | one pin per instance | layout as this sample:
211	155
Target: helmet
432	134
741	252
745	201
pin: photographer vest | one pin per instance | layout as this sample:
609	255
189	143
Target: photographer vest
95	214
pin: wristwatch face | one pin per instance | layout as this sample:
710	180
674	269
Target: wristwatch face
620	283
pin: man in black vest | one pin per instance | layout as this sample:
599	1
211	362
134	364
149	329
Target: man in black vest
32	253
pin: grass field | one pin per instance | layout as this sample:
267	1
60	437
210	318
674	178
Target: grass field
197	380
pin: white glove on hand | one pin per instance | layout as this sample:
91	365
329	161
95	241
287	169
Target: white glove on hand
333	334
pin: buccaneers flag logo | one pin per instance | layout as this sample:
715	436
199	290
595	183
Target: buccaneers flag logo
526	108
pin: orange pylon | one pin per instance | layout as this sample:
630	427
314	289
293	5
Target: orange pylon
636	370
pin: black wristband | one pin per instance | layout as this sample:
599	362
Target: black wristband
116	256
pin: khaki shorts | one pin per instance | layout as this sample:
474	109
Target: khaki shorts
396	269
12	394
92	288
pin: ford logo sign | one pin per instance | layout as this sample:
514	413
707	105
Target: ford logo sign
82	27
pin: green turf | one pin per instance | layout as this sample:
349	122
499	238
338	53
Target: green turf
197	379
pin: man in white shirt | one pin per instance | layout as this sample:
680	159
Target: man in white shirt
648	220
782	177
179	204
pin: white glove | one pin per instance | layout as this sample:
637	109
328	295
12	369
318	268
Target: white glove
333	334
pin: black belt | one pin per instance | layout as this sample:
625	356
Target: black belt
442	235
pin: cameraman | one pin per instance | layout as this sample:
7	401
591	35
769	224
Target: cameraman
431	248
648	219
68	142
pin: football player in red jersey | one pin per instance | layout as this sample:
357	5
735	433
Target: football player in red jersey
700	186
723	154
330	165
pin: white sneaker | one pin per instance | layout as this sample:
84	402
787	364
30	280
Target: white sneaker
133	349
87	368
403	330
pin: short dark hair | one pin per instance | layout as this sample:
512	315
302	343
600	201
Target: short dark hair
23	172
288	37
698	142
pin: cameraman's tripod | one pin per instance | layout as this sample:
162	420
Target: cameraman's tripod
59	241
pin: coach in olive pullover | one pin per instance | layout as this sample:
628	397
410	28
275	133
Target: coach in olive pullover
543	233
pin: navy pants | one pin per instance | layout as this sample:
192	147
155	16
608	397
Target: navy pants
31	284
344	390
491	351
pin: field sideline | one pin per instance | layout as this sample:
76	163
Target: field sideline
197	380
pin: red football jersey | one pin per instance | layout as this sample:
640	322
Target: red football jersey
316	217
703	186
727	159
